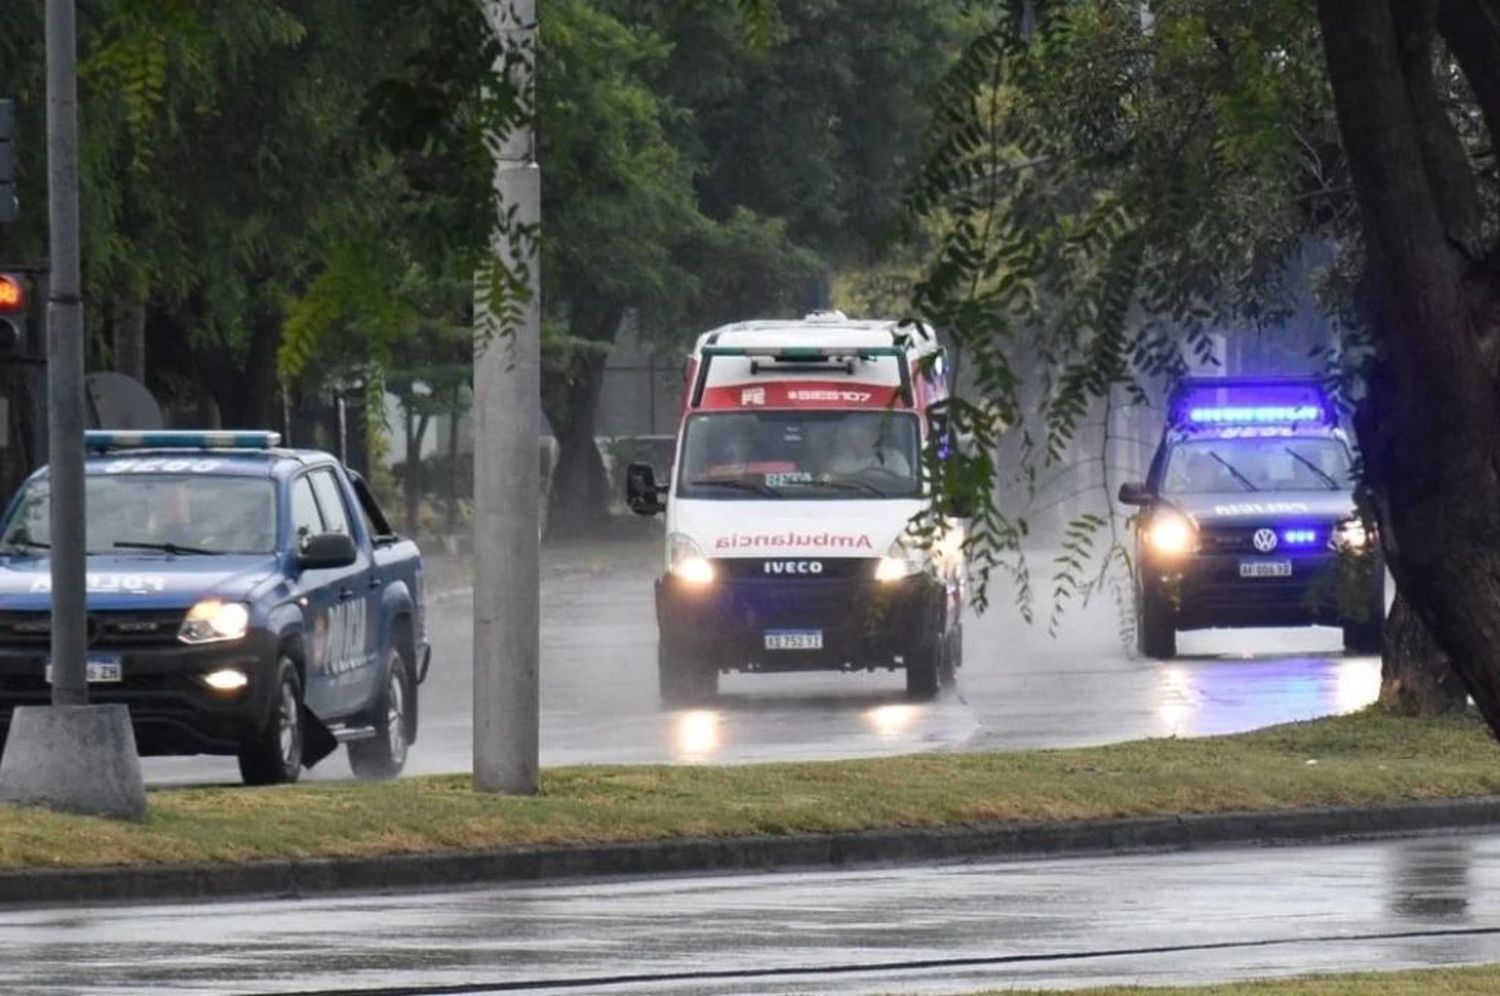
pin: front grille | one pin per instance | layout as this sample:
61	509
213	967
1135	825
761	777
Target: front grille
125	630
796	568
1241	539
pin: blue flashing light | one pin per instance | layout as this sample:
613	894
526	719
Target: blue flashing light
1299	537
1256	415
179	439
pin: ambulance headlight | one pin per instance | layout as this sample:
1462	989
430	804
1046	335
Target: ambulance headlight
1171	534
212	620
901	561
686	562
1351	535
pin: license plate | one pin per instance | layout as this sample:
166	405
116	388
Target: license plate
795	639
101	668
1265	568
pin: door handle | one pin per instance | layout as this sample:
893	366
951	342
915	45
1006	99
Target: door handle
345	594
376	582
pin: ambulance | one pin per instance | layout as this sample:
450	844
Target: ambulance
797	473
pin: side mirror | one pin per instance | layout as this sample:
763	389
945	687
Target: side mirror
1134	493
642	493
327	550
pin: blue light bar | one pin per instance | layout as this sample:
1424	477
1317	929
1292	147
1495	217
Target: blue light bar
1299	537
1256	415
179	439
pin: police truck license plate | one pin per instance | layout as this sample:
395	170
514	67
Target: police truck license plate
101	668
1265	568
794	639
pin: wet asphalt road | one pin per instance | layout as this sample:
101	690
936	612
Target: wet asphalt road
1018	687
1162	919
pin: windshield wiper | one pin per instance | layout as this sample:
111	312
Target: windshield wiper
1304	461
1231	468
22	541
862	486
172	548
738	485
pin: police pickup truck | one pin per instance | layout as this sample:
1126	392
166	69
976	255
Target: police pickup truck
1248	517
243	599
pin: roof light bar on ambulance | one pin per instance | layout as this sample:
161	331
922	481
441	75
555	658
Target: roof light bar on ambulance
803	354
103	441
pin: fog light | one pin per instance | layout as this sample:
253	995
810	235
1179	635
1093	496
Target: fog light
226	680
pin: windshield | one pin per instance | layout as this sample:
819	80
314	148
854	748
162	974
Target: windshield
1218	466
197	513
800	455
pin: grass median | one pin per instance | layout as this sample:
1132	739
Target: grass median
1482	981
1361	759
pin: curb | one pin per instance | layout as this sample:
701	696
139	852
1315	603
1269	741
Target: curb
452	870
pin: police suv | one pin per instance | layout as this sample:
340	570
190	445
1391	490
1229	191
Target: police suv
243	599
1248	517
798	469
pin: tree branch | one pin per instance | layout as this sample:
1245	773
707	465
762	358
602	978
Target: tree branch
1471	29
1449	174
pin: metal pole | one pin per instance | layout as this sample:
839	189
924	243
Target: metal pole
507	475
65	364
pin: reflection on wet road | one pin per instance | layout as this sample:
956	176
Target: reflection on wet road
1162	919
1018	688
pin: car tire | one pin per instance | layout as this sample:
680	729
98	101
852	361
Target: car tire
1155	629
683	677
382	756
275	756
925	671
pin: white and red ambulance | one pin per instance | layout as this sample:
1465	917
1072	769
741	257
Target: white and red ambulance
798	471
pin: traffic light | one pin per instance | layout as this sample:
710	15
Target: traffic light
8	202
12	315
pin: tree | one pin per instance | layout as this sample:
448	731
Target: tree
1115	183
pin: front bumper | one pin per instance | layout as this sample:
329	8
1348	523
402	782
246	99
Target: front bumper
864	624
171	710
1208	590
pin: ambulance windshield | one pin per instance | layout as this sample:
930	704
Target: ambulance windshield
800	455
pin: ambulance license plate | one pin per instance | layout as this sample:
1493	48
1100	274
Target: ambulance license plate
1265	568
794	639
102	668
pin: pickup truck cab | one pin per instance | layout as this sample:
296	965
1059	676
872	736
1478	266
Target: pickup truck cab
243	599
798	471
1248	518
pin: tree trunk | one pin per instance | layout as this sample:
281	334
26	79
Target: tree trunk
412	480
246	391
578	501
129	346
1416	677
1427	432
455	411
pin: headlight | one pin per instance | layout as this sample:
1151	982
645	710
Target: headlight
901	561
212	620
686	561
1350	535
1171	534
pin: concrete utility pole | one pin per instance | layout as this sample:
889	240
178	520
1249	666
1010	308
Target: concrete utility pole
507	473
71	756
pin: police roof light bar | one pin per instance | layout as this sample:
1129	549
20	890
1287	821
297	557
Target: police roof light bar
803	354
179	439
1226	402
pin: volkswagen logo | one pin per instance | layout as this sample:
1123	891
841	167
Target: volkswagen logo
1264	540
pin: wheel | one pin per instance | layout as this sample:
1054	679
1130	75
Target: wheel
1155	630
1367	636
925	670
384	755
275	757
683	677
